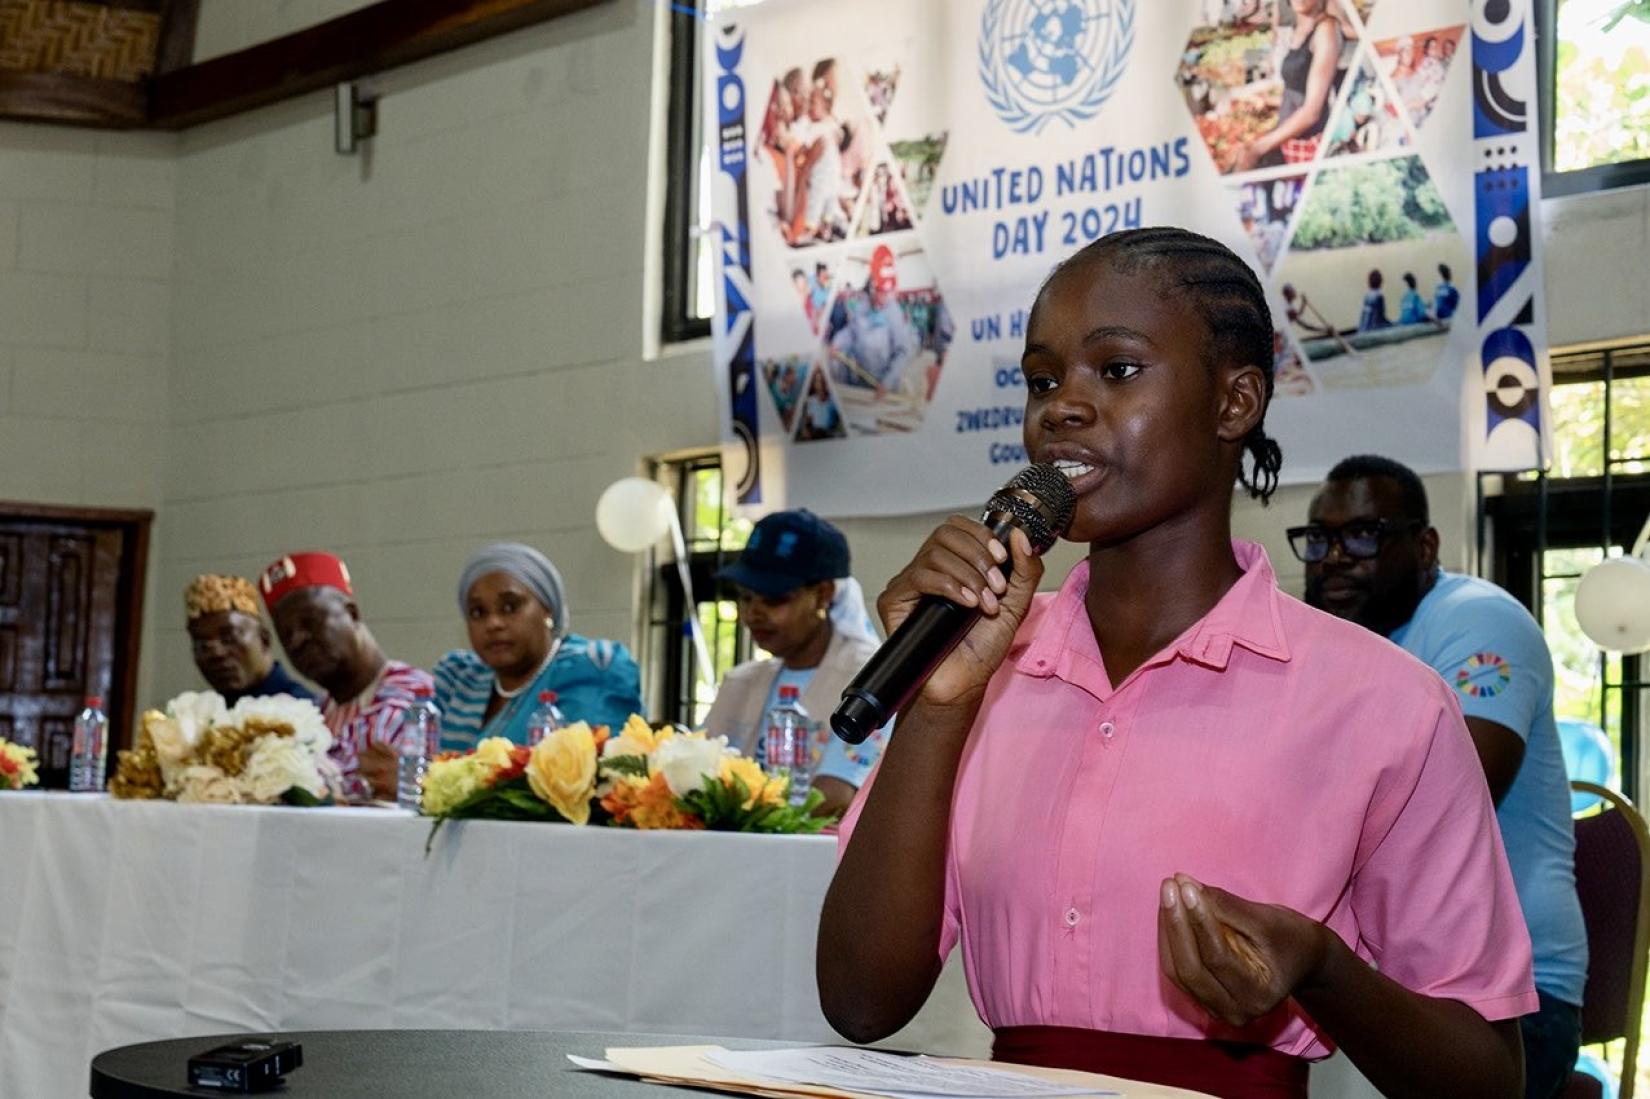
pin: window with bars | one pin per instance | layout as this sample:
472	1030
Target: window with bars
1545	530
713	537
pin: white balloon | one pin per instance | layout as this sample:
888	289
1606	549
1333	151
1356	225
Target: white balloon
1613	604
633	514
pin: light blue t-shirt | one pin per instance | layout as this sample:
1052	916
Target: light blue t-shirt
835	759
1486	646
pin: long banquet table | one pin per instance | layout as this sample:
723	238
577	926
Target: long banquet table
126	922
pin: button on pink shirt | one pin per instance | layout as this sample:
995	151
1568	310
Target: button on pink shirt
1272	750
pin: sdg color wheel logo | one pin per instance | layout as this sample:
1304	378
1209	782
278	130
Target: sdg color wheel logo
1042	60
1484	675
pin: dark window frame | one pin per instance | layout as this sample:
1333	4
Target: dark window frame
667	621
678	322
1603	177
1534	514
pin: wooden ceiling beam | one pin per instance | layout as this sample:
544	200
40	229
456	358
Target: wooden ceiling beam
375	38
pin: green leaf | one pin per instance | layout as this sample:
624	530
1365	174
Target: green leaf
626	765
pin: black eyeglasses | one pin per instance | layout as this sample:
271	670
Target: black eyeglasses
1360	539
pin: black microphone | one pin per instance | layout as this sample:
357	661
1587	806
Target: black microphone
1039	501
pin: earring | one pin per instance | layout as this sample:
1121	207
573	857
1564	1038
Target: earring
821	613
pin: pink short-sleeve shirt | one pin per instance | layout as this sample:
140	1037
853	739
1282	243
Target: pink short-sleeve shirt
1272	750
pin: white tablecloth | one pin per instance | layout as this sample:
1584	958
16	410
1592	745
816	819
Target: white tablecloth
126	922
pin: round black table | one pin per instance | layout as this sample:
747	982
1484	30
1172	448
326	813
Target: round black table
407	1064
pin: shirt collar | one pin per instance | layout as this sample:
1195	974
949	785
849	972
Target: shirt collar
1247	615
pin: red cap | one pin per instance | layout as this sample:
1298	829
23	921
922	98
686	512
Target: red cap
94	702
302	570
882	269
547	696
788	693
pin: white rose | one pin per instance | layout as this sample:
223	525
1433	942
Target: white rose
686	760
276	765
195	712
298	714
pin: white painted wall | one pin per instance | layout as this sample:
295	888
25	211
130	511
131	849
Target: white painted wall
224	26
402	354
85	282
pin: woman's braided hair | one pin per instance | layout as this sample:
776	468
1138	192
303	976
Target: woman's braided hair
1233	304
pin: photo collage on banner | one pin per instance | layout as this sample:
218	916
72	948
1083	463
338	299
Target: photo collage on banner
904	193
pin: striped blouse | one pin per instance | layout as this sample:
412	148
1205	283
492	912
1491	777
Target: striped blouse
595	681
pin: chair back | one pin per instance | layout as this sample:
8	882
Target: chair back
1613	883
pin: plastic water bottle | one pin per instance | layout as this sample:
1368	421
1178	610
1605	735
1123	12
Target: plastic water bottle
420	743
788	746
88	756
545	719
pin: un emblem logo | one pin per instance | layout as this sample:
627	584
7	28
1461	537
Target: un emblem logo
1047	59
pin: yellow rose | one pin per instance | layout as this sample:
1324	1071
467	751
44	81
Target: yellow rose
448	782
636	739
562	771
494	753
767	791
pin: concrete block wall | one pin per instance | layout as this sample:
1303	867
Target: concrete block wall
86	249
406	353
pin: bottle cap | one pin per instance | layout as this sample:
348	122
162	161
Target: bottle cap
547	697
788	693
94	702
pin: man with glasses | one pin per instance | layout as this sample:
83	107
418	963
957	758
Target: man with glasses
1371	557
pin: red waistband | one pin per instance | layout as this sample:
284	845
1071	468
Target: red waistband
1230	1070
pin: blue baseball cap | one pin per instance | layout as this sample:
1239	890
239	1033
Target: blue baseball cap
788	550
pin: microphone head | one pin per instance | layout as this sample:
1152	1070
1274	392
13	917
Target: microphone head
1047	519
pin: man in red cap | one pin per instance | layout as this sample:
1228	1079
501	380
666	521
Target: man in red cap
313	607
873	348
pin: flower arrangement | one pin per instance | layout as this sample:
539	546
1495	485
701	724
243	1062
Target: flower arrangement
258	752
642	778
17	766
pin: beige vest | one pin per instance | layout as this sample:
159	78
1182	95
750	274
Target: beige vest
737	713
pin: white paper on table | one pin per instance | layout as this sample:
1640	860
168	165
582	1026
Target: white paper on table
592	1064
867	1070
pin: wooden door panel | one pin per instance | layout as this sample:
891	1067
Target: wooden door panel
11	595
69	578
66	604
11	569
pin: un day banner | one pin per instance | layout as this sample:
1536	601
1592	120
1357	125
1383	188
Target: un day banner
893	179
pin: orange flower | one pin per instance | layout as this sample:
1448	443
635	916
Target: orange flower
648	805
622	799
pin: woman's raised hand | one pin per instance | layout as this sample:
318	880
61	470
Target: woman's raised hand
962	561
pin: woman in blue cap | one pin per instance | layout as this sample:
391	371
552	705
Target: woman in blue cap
515	607
797	600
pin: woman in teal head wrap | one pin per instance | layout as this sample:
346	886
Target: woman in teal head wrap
515	608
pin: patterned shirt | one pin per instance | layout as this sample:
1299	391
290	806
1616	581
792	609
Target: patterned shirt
356	724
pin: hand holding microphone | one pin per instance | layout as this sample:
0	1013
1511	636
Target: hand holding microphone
953	611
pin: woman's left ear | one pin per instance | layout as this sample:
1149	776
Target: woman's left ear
1245	403
827	592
